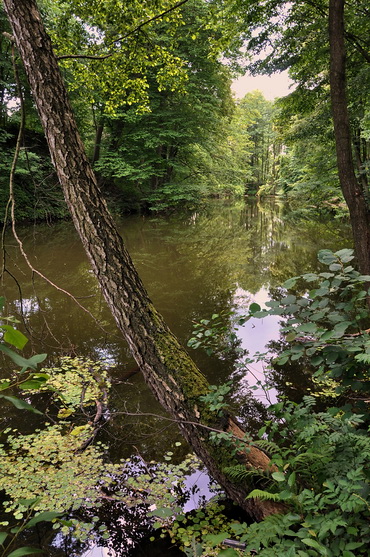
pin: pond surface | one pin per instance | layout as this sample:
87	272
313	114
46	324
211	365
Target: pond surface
213	260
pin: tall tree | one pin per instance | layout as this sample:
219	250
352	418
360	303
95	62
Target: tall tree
256	115
354	193
150	155
171	374
295	36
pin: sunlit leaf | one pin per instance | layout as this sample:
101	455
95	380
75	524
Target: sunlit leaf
278	476
4	385
14	337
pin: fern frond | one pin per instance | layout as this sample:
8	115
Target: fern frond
240	473
263	495
309	401
267	446
304	458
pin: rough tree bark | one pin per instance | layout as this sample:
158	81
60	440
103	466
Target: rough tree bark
167	368
355	195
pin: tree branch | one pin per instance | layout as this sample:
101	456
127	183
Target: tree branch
132	32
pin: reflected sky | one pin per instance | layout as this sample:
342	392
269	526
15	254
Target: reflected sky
216	260
211	261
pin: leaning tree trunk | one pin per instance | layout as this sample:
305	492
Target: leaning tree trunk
356	198
167	368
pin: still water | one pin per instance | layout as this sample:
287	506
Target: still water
214	260
193	265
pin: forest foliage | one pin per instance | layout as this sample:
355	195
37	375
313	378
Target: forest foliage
159	120
151	92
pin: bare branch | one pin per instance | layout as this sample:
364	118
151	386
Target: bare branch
83	56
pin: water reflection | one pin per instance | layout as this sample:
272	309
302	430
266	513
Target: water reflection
213	261
193	265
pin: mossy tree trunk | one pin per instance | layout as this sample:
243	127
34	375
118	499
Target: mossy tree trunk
167	368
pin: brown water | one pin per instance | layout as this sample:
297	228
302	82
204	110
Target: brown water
193	265
211	261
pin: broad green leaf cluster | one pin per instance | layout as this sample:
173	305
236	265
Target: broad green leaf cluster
321	458
326	326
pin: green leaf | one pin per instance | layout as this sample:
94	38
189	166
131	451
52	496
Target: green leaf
216	539
281	360
46	516
3	536
354	545
260	314
272	304
326	256
290	283
342	326
291	479
278	476
285	495
21	404
36	359
14	337
290	337
32	384
254	307
345	252
327	275
322	291
17	359
316	545
327	335
161	513
29	502
25	551
288	300
228	553
307	328
310	277
335	267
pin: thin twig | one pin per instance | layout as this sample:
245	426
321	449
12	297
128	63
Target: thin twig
185	422
132	32
11	201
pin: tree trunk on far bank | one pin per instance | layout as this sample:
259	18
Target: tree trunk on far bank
354	194
167	368
97	143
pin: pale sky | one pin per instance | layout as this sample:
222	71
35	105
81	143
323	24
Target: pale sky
273	86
